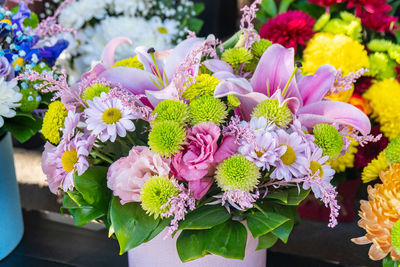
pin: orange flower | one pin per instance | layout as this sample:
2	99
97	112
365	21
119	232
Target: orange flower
359	102
380	213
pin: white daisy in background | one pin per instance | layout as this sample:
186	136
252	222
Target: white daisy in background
294	161
9	98
319	170
78	13
107	118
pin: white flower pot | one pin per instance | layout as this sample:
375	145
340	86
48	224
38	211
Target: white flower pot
162	253
11	223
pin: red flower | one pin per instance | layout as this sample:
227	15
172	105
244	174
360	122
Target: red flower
370	6
362	84
289	29
365	154
326	2
377	21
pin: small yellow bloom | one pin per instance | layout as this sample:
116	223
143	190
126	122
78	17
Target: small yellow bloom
372	170
53	122
341	163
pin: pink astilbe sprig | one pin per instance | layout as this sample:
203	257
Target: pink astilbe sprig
239	199
50	27
344	83
327	190
185	72
49	82
239	130
179	206
131	102
246	23
364	139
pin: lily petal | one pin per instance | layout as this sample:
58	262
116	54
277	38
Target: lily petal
274	69
136	81
249	102
156	96
216	65
232	85
179	54
328	111
313	88
109	50
147	61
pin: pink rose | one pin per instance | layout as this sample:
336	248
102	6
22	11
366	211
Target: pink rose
127	176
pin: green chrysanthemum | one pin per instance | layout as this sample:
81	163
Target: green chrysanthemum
30	100
132	62
381	66
329	139
271	110
233	101
394	53
94	90
321	22
156	193
258	48
204	85
237	56
166	138
379	45
207	108
171	110
237	172
395	237
53	121
392	151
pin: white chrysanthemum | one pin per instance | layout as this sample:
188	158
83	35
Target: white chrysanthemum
78	13
132	7
9	98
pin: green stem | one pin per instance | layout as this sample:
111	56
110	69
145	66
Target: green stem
122	143
130	139
103	157
289	81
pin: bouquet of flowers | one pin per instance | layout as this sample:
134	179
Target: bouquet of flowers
160	24
380	215
202	140
24	47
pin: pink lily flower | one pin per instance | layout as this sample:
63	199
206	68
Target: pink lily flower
304	95
145	82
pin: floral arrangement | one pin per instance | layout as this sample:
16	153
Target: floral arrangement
160	24
380	215
200	140
24	47
365	50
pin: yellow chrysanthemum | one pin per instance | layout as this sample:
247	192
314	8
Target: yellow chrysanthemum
132	62
340	51
380	213
372	170
384	98
341	163
53	121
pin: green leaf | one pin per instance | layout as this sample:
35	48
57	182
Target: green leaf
269	7
33	21
23	126
227	240
131	224
388	262
160	227
190	244
261	16
260	223
266	241
195	24
198	8
82	214
283	231
92	185
205	217
231	42
284	6
295	197
281	195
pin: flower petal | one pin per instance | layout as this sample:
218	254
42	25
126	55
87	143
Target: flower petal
313	88
249	102
216	65
156	96
274	70
179	54
327	111
109	50
232	85
200	187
